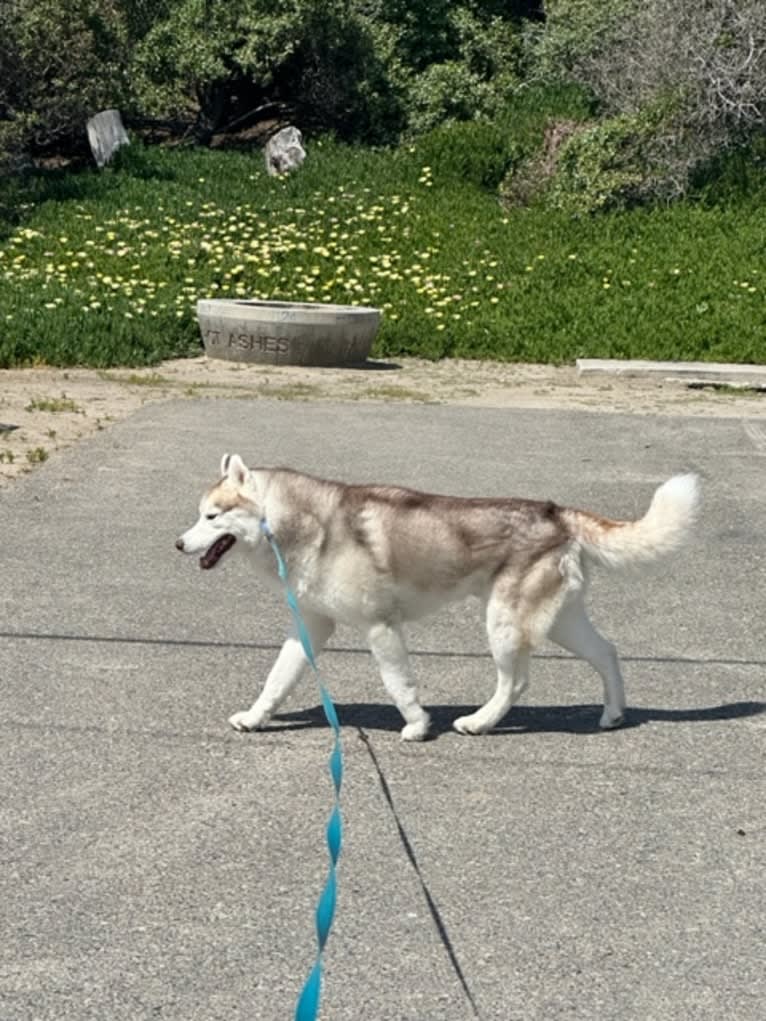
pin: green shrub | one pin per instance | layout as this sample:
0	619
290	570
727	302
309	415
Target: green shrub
737	173
222	60
602	166
487	152
469	152
590	166
528	179
528	112
702	64
572	30
59	64
477	76
448	91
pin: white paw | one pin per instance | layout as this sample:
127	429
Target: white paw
610	720
469	725
417	731
247	721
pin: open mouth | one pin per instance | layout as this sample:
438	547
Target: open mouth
216	551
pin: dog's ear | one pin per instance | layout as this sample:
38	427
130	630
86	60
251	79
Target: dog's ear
234	469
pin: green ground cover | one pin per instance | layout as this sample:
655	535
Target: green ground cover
105	269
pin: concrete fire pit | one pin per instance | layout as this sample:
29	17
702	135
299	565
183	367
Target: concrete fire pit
286	332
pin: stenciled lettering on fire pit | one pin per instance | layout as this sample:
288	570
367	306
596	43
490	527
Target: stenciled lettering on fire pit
247	341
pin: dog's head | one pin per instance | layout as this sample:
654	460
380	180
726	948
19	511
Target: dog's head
225	512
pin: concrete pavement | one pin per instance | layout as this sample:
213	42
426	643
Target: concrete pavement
157	865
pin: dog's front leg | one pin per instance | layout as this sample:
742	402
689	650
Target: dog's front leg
285	674
390	652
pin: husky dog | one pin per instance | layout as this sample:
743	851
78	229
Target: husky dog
377	556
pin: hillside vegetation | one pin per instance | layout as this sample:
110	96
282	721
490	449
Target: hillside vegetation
501	185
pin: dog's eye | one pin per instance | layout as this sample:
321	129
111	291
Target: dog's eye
210	517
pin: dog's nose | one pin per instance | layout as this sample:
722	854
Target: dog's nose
180	544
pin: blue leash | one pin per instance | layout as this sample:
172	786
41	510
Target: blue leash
308	1002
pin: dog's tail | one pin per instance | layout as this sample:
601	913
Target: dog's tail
663	528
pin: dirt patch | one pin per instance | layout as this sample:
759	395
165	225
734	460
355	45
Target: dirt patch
54	408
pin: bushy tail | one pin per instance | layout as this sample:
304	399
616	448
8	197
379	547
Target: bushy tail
663	528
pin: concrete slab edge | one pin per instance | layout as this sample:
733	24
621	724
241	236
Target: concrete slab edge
680	371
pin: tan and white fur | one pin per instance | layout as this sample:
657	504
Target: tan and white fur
377	556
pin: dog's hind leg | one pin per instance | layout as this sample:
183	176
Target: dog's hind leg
511	656
285	674
512	679
572	630
390	652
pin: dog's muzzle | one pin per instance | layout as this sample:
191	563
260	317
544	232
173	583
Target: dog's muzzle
214	553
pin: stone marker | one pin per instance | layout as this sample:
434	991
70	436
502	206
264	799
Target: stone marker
284	151
106	134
